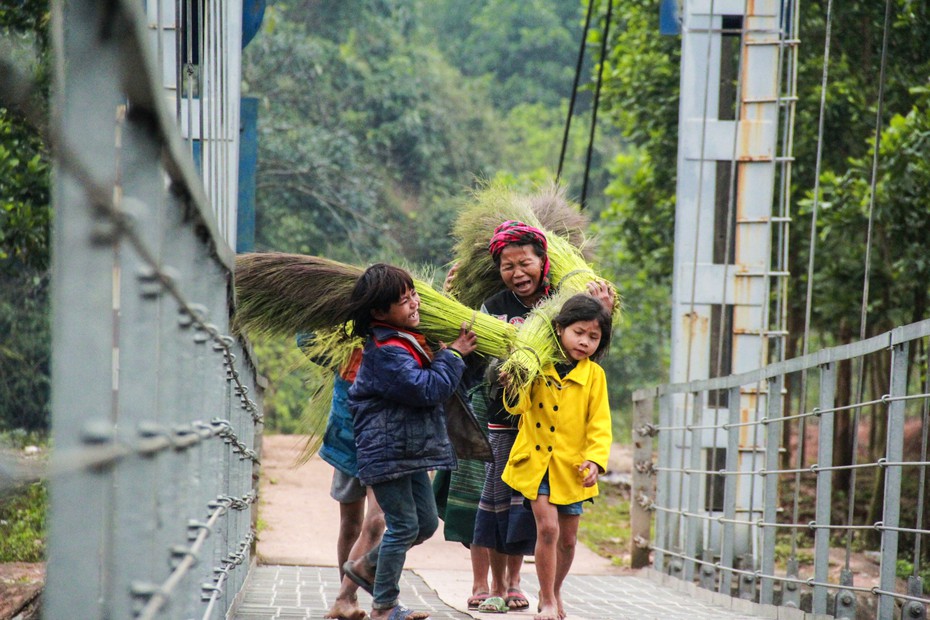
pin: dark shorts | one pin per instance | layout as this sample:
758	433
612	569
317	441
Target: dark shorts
346	489
563	509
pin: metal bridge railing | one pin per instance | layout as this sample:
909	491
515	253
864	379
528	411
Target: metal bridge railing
740	511
156	413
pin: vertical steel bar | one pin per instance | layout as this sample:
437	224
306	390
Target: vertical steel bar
824	486
773	430
663	480
730	487
642	483
693	531
680	500
138	194
894	453
921	484
85	99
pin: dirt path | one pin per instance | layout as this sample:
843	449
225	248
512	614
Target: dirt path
299	521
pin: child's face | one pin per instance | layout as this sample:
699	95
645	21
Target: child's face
403	313
580	339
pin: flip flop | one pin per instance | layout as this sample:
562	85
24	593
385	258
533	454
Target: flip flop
514	595
476	599
349	569
401	612
494	605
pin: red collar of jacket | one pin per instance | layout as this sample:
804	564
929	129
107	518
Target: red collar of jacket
413	341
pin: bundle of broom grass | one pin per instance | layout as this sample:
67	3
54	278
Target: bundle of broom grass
285	294
280	295
477	277
536	344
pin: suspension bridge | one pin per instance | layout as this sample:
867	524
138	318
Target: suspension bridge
157	412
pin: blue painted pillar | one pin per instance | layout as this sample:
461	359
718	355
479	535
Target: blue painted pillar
248	165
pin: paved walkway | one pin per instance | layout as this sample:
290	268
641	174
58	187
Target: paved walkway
308	591
296	575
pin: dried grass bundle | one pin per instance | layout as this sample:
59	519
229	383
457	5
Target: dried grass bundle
315	415
285	294
281	293
441	318
477	278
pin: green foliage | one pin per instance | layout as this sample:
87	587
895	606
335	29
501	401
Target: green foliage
905	569
26	16
899	265
25	350
640	98
526	50
849	128
605	526
291	382
636	229
783	552
25	216
22	524
365	133
25	210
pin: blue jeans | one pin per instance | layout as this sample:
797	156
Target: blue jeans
410	516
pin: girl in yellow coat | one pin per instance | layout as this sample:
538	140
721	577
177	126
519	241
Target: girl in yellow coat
563	443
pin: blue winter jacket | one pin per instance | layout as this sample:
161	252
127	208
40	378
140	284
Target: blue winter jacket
338	447
397	407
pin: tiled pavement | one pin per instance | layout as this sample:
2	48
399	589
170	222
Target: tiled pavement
307	592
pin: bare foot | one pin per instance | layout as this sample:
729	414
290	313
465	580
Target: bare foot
346	610
548	612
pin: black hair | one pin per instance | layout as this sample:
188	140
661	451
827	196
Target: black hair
376	289
537	248
583	307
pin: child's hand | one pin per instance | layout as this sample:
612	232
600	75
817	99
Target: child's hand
466	342
588	472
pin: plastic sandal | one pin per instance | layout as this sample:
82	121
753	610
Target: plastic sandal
494	605
349	569
475	600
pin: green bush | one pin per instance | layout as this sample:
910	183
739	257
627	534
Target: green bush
22	524
25	350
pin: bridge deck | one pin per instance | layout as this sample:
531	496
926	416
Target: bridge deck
307	592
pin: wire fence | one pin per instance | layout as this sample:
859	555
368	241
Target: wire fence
815	504
156	403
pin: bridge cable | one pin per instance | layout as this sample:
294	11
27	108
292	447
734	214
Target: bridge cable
810	262
863	313
597	100
571	103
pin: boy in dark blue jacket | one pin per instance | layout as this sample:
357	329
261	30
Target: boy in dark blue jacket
400	428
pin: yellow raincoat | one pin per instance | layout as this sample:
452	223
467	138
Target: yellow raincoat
563	422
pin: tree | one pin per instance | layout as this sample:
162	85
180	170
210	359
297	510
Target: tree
25	215
640	98
524	50
365	132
